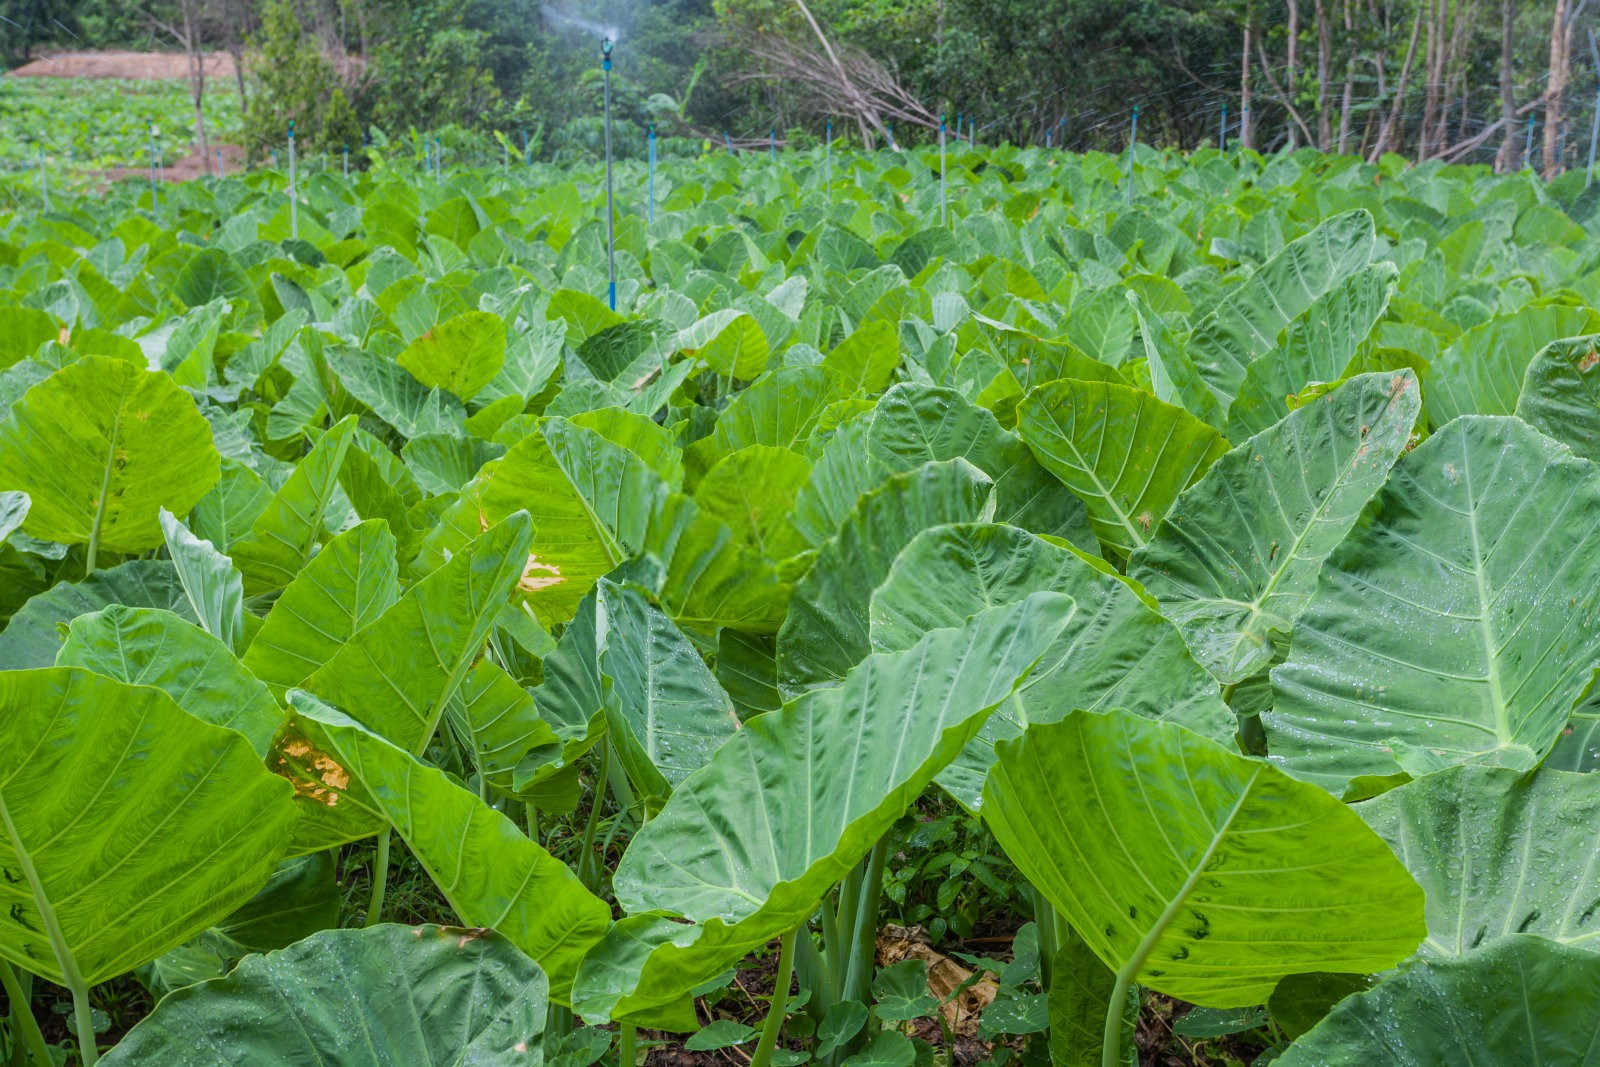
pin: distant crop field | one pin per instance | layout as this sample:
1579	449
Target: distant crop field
89	124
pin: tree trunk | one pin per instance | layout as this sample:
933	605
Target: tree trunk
1246	137
1291	59
1556	88
1387	131
1349	86
1324	76
197	79
1504	160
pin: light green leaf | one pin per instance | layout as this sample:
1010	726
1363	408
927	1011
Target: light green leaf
752	492
912	425
900	992
13	510
491	874
803	793
1457	624
384	995
34	636
1499	853
1081	987
101	446
590	501
1208	885
1125	453
723	1033
509	740
346	586
88	766
1248	320
825	633
286	534
1561	394
1482	371
148	646
397	674
460	355
667	713
1317	347
1521	1000
729	340
1238	555
215	590
1116	652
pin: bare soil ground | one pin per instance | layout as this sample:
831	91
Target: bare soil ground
140	65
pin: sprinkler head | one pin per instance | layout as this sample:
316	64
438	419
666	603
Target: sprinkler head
606	45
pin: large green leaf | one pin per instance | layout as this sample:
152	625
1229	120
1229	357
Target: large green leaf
1457	625
1317	347
826	632
460	355
345	587
1523	1000
511	742
1561	394
802	794
1239	553
1482	372
101	446
13	510
148	646
752	491
704	577
491	874
1125	453
1116	652
1199	873
1499	853
130	826
397	675
1249	319
34	636
590	500
729	340
214	588
382	996
286	534
667	712
395	396
912	425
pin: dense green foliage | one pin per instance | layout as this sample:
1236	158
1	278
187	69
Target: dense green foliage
1412	76
1220	537
67	121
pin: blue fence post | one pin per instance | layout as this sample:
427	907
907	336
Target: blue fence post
652	173
827	158
943	216
727	139
611	214
1222	129
294	206
1133	142
772	144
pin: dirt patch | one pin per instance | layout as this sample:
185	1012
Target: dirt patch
188	168
134	65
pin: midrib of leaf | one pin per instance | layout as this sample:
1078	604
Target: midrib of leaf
105	476
1289	557
1485	621
1093	475
1147	944
47	912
